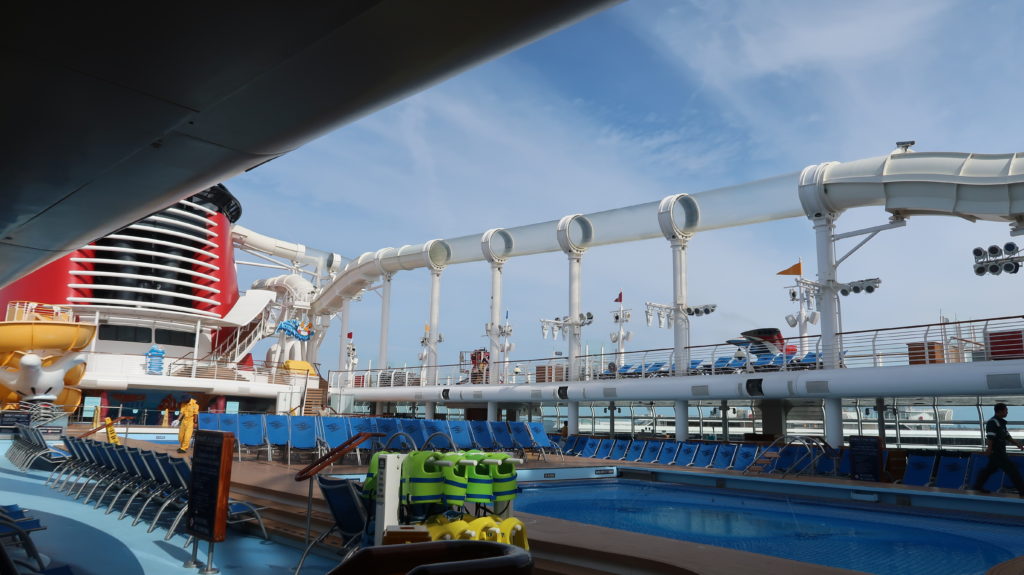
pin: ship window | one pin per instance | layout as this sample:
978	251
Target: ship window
126	333
179	338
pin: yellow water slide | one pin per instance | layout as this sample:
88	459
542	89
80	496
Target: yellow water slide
39	357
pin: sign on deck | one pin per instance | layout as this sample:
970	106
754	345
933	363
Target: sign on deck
865	458
208	490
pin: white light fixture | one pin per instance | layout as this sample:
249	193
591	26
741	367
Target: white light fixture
791	320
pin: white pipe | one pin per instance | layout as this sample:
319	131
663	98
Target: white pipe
385	321
493	327
325	262
574	324
297	287
981	378
433	337
973	186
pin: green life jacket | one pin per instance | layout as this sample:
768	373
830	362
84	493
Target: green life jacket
455	480
503	478
422	481
479	488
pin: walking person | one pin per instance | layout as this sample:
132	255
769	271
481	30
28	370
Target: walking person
996	438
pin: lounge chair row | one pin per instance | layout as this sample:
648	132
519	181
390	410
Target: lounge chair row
30	448
723	364
140	481
924	469
259	433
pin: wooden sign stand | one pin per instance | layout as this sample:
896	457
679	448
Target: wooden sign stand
207	515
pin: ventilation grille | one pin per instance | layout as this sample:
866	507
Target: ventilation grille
1003	381
817	387
700	390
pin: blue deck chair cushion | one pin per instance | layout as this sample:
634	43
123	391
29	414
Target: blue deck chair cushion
952	472
209	421
277	429
652	450
619	449
335	431
482	437
686	453
635	450
746	453
723	456
363	425
604	449
705	455
590	448
668	453
499	429
461	434
919	469
229	422
977	463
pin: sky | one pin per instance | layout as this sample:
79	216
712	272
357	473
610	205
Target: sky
648	99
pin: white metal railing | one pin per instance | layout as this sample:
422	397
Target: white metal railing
127	366
990	339
245	338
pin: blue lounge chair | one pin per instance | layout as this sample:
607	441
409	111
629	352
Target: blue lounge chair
724	456
542	439
652	450
229	423
619	449
252	434
746	453
334	431
572	443
809	361
482	438
209	421
919	469
499	429
349	513
687	451
1018	461
461	434
414	429
668	453
704	456
952	472
978	461
438	435
278	432
302	435
522	436
395	438
653	369
590	448
635	451
718	366
604	449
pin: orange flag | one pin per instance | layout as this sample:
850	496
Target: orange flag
796	269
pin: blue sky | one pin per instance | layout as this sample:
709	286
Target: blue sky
652	98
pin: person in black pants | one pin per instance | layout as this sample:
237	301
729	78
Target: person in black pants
997	437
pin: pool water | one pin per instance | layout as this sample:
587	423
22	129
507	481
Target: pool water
869	540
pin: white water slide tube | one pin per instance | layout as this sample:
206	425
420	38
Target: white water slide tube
972	186
325	262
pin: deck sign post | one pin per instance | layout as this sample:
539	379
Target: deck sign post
865	458
208	492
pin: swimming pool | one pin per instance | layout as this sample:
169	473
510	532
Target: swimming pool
837	535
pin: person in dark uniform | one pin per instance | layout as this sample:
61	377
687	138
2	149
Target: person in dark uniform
996	438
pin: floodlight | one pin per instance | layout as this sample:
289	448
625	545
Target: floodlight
544	331
845	290
980	269
813	317
650	316
995	251
1011	267
855	288
1010	248
791	320
995	269
979	253
869	289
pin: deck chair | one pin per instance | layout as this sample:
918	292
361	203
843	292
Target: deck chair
724	456
618	450
524	440
252	434
209	421
278	433
543	440
809	361
704	456
482	438
765	362
668	453
350	516
952	472
652	450
414	429
572	444
687	451
437	435
591	448
652	369
746	453
499	429
229	423
635	450
695	365
719	364
919	469
395	438
977	462
461	434
625	370
302	435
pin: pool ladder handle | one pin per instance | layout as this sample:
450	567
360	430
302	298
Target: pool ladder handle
762	461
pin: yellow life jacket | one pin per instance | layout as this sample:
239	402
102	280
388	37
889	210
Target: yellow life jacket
422	481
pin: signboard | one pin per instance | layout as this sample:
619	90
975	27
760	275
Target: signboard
13	418
865	458
208	489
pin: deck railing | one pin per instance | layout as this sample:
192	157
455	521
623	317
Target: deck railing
992	339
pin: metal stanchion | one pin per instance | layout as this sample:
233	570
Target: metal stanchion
195	552
209	569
